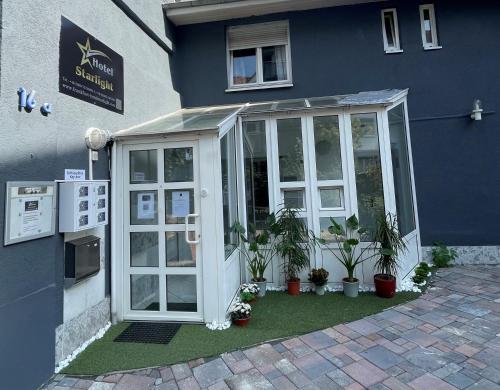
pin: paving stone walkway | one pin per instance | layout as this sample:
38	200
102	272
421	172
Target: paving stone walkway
447	339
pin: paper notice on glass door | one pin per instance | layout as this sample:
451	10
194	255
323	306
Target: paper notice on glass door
180	203
146	205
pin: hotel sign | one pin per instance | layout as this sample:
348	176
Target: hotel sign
88	69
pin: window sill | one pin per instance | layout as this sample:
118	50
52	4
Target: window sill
262	86
433	47
393	51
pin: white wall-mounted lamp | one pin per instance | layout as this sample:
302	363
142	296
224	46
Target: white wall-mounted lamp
477	109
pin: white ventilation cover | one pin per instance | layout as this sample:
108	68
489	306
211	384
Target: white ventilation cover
257	35
96	139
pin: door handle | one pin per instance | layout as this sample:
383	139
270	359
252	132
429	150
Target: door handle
186	223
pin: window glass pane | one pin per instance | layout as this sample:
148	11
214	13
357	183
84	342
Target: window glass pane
143	167
390	31
367	166
144	292
144	249
291	160
181	293
330	198
178	204
143	208
229	191
244	66
178	165
178	252
256	181
274	63
327	146
293	199
427	26
325	223
401	170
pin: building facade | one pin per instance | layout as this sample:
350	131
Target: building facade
435	58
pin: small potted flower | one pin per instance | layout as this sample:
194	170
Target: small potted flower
248	292
319	277
241	313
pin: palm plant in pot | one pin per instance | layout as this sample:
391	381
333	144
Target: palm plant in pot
390	245
258	250
348	251
294	245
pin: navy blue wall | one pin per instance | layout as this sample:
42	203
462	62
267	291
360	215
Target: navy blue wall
340	50
31	279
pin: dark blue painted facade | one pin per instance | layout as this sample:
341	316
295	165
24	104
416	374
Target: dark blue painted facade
340	50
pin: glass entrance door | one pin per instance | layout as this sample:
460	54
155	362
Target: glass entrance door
162	270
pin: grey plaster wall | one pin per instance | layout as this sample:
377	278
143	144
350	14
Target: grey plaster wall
340	50
33	147
469	254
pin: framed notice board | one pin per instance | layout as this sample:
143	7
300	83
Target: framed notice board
30	210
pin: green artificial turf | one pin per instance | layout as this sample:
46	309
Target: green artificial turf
277	315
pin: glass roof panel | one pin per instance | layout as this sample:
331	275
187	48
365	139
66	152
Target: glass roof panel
291	104
326	101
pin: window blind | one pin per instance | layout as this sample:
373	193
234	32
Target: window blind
258	35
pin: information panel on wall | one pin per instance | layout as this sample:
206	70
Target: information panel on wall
29	211
88	69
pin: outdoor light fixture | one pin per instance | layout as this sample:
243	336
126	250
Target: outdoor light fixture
477	109
96	139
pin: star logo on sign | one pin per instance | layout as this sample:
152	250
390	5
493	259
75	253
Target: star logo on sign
87	52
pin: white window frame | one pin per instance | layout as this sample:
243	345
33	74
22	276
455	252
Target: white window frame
397	45
260	83
432	15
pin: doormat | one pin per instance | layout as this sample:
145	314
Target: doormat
149	332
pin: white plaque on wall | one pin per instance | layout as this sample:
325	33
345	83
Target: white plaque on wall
29	211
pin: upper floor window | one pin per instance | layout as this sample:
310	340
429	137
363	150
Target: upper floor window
428	27
259	56
390	31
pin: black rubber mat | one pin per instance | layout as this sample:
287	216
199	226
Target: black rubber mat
149	332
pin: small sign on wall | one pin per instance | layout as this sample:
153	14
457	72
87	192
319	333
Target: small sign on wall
29	211
74	174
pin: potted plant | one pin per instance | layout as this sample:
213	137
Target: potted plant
258	250
293	246
241	313
319	277
248	292
346	251
390	245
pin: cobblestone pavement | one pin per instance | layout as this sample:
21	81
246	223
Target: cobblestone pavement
447	339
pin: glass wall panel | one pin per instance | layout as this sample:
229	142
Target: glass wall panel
330	198
143	166
229	190
178	204
368	169
178	252
143	208
181	293
178	165
401	170
327	146
256	181
144	249
144	292
325	223
293	199
291	158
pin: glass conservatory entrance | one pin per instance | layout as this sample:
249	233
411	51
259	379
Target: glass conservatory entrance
182	180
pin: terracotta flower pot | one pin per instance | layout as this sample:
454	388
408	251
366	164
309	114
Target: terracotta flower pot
294	287
385	286
241	321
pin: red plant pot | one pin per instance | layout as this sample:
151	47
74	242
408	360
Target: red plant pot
294	287
241	321
385	287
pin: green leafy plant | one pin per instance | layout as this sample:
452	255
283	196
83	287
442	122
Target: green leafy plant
442	255
319	276
294	242
257	248
418	279
425	266
347	245
390	245
246	296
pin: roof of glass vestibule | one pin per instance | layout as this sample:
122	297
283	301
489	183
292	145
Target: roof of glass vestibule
211	118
